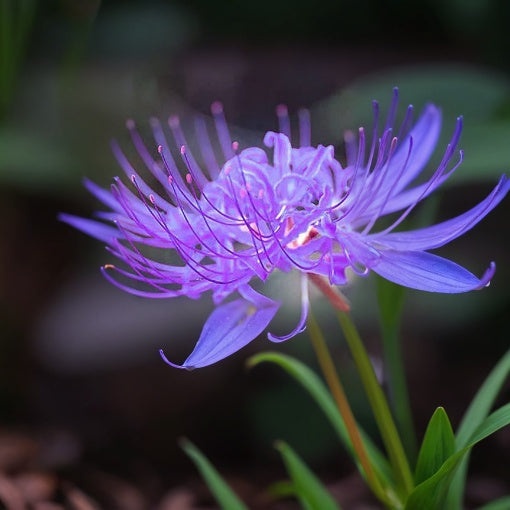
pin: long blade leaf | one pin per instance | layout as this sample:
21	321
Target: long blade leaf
437	446
499	504
475	414
432	492
317	390
308	488
223	494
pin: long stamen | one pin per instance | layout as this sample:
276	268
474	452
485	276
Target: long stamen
379	179
353	189
375	179
149	266
389	192
236	254
186	195
406	123
437	178
256	234
132	290
183	253
435	181
130	171
181	142
165	152
285	252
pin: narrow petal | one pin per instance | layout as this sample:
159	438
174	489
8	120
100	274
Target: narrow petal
104	195
442	233
424	134
421	270
282	151
305	305
96	229
230	327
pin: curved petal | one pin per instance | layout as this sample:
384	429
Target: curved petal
230	327
422	270
282	151
103	195
442	233
305	305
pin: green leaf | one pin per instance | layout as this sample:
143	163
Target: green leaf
34	161
499	504
474	416
483	401
437	446
432	492
223	494
453	88
495	421
476	140
281	489
309	490
316	388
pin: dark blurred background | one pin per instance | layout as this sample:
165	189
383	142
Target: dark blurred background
87	408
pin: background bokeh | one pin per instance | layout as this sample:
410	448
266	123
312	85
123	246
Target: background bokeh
87	407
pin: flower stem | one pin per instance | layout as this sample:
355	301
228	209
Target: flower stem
338	393
378	404
391	299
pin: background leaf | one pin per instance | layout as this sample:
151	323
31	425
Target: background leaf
310	491
223	494
474	416
499	504
312	383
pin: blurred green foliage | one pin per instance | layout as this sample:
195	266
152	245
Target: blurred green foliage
92	64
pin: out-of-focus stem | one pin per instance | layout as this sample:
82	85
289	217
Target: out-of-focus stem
337	391
378	403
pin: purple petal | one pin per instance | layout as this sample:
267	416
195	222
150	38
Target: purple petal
425	134
103	195
442	233
96	229
419	270
305	305
229	328
282	150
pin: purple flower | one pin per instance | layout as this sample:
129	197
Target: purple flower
221	224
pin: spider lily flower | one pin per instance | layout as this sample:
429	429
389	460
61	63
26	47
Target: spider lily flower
283	208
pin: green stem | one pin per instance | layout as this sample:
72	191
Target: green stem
338	393
378	404
391	302
398	391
